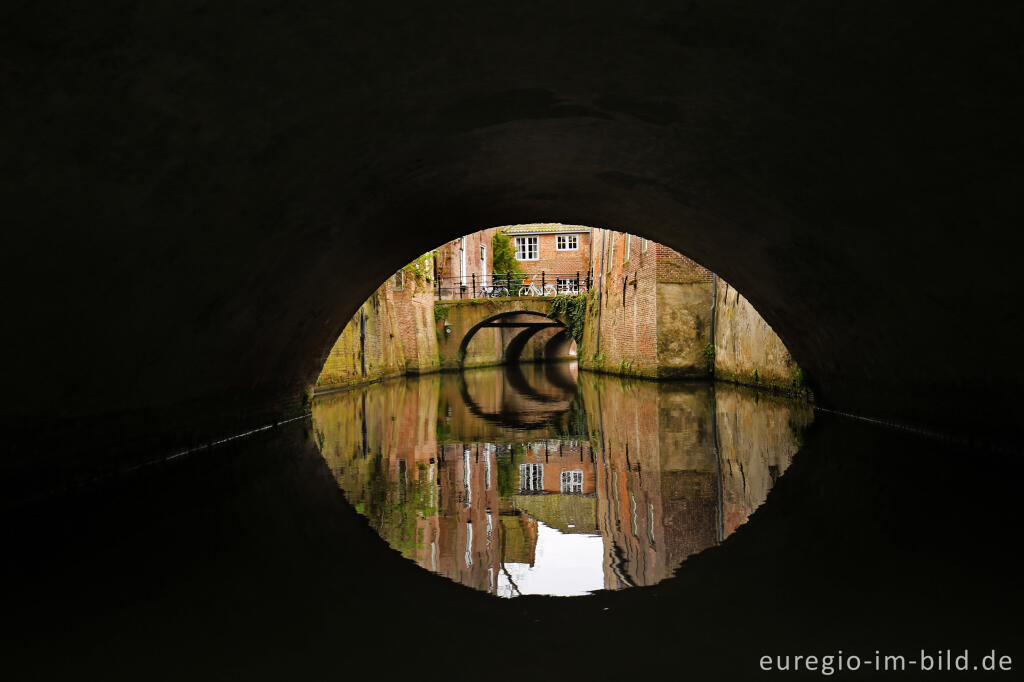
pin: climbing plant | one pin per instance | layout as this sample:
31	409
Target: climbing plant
420	272
573	307
709	356
503	254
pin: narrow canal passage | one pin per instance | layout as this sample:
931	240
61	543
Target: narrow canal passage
247	562
540	479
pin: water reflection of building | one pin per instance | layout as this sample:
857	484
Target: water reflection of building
653	472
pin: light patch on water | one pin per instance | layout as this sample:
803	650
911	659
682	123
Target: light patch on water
565	566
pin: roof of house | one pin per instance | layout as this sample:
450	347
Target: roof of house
542	228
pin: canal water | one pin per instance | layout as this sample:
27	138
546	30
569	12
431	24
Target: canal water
249	560
541	479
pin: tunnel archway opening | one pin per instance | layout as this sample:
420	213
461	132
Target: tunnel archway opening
637	307
513	337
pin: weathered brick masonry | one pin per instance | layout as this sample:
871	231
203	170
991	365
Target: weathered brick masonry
391	334
650	314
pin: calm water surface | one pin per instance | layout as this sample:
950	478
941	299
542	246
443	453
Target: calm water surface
539	479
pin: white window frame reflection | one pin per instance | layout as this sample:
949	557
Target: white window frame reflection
531	477
572	481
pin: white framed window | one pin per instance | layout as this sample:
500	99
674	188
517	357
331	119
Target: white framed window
566	242
572	481
629	242
531	478
526	248
567	285
399	280
483	253
643	246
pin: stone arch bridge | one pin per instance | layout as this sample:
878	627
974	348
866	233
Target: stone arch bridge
481	332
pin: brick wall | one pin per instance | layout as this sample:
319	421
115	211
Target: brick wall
378	355
551	260
653	316
675	267
398	336
449	259
414	314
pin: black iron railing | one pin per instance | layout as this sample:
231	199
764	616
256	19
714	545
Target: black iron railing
511	284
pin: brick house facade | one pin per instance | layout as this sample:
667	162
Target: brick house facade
556	250
466	260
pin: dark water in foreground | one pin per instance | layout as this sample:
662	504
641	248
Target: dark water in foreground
538	479
246	561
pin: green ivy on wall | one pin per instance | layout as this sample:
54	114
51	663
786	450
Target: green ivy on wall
420	272
573	307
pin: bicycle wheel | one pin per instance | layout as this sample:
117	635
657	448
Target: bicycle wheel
524	291
550	290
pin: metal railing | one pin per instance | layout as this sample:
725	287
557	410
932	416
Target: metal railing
511	284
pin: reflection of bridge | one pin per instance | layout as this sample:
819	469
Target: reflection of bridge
522	404
481	332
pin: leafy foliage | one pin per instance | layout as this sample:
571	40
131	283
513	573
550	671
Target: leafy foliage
508	471
573	307
573	424
796	377
709	356
420	272
503	254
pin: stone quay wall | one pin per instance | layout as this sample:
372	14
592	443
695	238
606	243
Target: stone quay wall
391	334
747	350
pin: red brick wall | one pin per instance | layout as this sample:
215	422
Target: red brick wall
400	336
381	345
448	256
675	267
414	313
628	333
551	260
658	326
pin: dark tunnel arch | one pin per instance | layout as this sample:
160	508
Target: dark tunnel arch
200	195
825	200
557	347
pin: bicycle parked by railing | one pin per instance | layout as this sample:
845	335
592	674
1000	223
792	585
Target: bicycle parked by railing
507	284
494	291
534	290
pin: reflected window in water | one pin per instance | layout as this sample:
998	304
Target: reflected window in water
574	482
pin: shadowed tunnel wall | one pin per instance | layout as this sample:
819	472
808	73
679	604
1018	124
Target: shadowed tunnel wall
197	199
